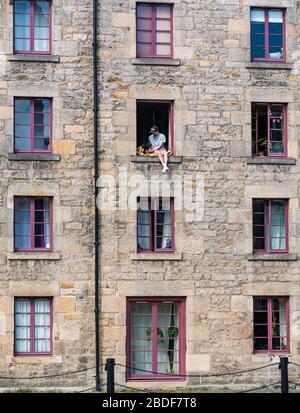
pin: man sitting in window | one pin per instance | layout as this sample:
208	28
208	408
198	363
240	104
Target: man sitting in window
156	141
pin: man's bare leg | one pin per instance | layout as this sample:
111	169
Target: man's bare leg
160	157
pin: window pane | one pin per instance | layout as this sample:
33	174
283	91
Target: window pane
279	343
22	105
258	40
163	25
260	343
144	49
42	131
22	19
41	45
163	37
275	17
23	228
163	12
278	206
22	6
258	52
41	105
22	32
144	24
144	11
260	317
22	131
41	33
22	241
145	37
22	118
42	118
276	53
257	15
42	143
22	144
260	304
22	45
275	41
41	7
41	20
143	243
163	50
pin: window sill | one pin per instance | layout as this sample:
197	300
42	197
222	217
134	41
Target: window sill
269	65
154	159
153	256
153	61
34	359
33	58
270	161
34	256
33	157
272	257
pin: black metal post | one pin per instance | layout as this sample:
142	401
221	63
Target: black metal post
110	368
284	361
96	175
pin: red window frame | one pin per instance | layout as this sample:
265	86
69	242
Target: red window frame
32	125
32	38
267	218
32	224
154	30
32	327
181	301
269	117
271	324
266	12
152	210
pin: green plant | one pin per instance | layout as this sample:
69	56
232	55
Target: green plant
160	333
173	332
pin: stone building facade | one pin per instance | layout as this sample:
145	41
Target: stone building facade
209	87
212	83
65	274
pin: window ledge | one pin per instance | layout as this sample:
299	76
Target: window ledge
34	360
34	256
154	159
272	257
168	256
33	157
269	65
33	58
271	161
153	61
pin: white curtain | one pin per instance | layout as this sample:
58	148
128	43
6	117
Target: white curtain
47	223
143	230
22	326
282	321
141	338
278	225
42	326
167	231
167	347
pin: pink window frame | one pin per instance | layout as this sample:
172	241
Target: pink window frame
154	19
267	217
284	130
182	338
32	326
32	224
270	336
266	12
171	120
32	125
153	228
32	38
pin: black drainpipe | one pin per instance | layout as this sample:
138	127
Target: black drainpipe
96	175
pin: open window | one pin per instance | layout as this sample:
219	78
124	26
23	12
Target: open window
159	113
269	130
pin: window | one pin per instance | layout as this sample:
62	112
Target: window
270	225
271	324
33	224
159	113
154	30
155	230
268	34
32	26
155	337
269	129
33	326
32	125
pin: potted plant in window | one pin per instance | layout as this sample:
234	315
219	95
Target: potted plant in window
172	334
262	146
